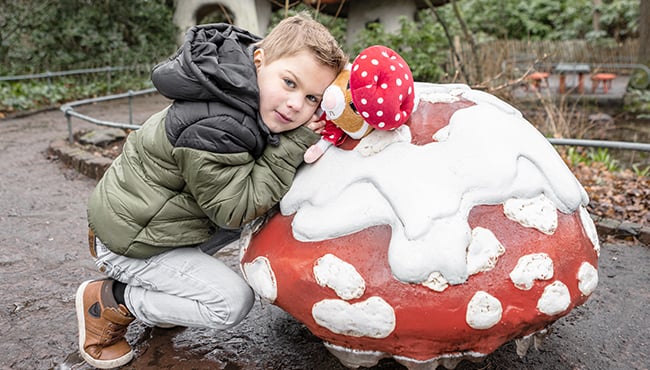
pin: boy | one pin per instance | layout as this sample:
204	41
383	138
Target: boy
221	155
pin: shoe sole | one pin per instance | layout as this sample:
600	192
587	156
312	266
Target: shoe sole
81	320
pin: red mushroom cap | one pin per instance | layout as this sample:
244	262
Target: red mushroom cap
381	85
346	292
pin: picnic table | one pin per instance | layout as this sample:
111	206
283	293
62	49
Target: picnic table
579	69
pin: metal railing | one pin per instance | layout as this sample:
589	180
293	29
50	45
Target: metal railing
49	75
626	145
69	112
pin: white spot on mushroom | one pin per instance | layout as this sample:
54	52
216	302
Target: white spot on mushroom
331	271
373	317
483	311
531	267
538	212
590	228
555	299
436	282
380	100
398	82
483	251
587	278
261	278
374	62
364	74
435	97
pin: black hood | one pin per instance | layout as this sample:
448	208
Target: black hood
215	63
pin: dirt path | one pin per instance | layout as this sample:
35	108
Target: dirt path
43	258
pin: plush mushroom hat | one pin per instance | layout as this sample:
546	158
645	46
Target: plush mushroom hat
381	85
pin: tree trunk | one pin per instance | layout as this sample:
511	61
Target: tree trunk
644	32
595	17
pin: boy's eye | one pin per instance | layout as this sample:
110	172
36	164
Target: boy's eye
289	82
313	99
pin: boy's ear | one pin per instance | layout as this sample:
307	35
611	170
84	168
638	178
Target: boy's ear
258	57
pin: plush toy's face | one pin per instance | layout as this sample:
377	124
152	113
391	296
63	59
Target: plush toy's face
338	107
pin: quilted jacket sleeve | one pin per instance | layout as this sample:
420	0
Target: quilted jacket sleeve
234	188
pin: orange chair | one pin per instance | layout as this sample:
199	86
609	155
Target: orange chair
536	79
605	78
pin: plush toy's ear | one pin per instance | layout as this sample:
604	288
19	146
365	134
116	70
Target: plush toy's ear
381	85
334	98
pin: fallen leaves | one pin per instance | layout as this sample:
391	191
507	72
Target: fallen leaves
621	195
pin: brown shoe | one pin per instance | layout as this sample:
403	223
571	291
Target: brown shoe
102	325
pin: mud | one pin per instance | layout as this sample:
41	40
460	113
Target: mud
44	257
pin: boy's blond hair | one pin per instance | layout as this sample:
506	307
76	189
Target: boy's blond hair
302	33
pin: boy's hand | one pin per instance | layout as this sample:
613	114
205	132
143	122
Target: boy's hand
315	124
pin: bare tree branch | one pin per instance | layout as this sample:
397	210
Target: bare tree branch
470	38
450	40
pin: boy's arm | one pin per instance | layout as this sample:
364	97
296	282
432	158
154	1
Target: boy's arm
233	188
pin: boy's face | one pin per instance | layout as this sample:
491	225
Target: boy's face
291	89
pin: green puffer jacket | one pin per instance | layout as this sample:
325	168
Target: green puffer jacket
205	163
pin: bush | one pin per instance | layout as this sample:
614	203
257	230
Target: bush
420	43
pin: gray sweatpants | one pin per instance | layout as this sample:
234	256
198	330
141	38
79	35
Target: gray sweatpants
183	287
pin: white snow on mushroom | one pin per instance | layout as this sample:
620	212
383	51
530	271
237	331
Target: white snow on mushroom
488	155
531	267
331	271
373	317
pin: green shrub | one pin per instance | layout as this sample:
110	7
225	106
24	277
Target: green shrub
421	44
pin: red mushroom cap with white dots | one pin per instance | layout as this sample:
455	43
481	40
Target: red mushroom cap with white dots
381	85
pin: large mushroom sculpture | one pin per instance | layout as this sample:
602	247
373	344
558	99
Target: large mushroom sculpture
433	250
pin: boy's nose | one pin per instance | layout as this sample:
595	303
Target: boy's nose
295	102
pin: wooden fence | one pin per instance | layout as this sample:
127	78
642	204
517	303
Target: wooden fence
516	57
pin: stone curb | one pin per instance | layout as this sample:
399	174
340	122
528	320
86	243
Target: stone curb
95	166
82	161
622	229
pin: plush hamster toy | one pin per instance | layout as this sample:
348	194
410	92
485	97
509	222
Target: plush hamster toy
374	92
